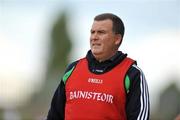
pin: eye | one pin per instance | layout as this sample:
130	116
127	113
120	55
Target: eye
101	32
92	31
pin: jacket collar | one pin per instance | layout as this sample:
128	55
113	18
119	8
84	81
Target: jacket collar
101	67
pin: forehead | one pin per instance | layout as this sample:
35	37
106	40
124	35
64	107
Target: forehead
102	24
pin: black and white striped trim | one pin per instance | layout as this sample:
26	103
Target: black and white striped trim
144	97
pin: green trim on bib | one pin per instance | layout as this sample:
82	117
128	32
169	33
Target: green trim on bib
67	75
127	83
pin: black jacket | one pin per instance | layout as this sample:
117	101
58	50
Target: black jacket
137	97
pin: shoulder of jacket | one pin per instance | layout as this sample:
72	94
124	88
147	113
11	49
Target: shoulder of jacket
69	71
132	74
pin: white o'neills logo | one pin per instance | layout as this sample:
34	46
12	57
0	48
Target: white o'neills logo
108	98
94	80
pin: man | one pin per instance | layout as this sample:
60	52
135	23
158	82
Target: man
106	84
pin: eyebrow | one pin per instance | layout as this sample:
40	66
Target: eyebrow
97	30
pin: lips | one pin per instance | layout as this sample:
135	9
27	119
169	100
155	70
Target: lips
96	44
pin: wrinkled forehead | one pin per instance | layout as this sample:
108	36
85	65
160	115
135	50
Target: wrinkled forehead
102	24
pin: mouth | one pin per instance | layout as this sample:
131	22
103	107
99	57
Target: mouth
96	44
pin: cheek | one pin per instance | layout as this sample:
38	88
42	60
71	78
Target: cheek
108	45
90	41
107	42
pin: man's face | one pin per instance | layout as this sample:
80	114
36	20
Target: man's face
103	41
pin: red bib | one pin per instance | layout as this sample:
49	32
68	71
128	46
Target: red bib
91	96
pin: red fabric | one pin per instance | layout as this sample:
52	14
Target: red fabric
96	97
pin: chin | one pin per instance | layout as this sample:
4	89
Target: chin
96	52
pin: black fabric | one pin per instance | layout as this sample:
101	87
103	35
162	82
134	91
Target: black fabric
57	109
105	66
133	103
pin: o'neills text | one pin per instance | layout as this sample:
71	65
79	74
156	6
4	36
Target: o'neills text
92	96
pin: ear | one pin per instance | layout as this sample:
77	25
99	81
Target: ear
118	39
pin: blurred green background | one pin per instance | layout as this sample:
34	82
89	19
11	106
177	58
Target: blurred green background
39	38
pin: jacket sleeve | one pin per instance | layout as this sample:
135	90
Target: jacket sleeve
57	109
137	100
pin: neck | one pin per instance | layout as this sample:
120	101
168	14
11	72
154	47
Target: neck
101	58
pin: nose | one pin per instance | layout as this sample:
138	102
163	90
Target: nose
94	36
